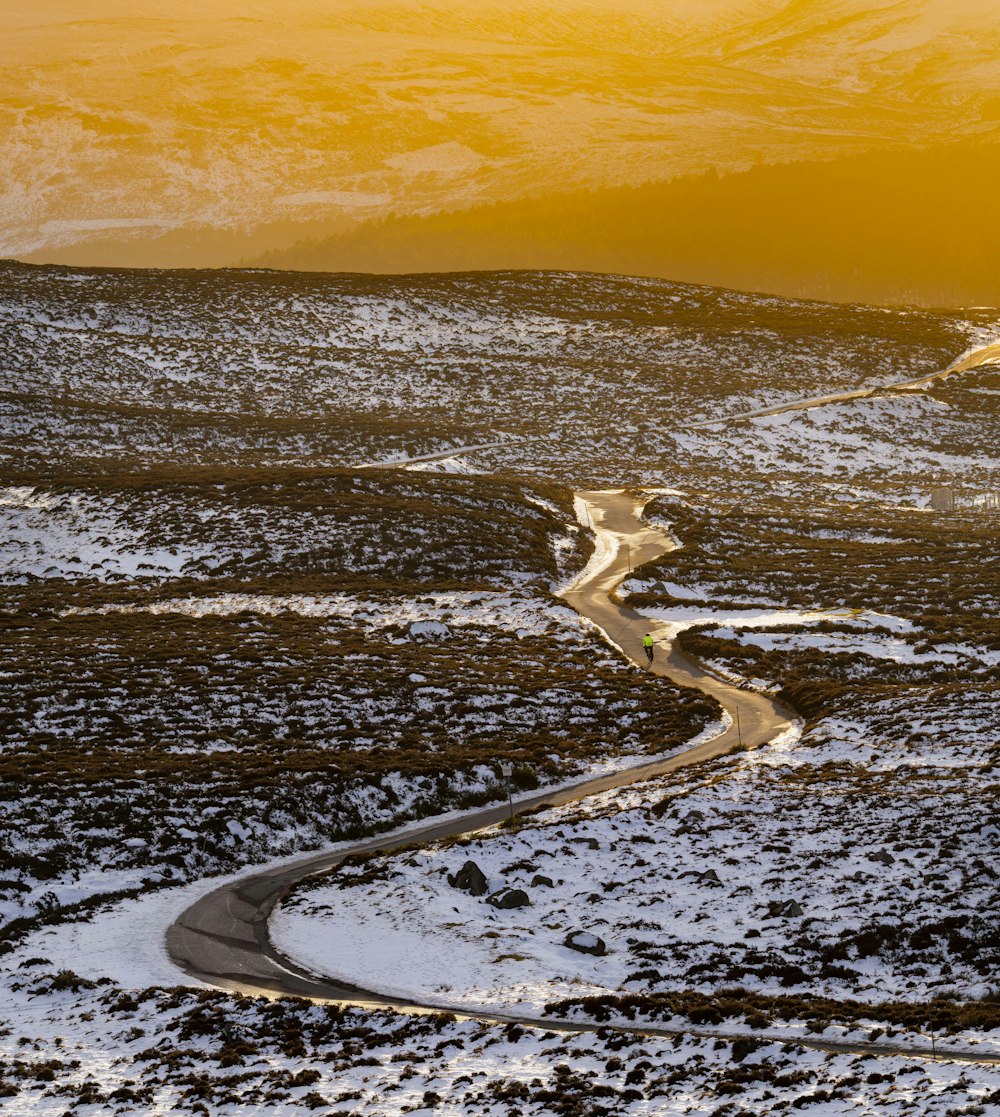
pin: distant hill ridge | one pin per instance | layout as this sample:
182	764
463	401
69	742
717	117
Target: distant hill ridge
889	227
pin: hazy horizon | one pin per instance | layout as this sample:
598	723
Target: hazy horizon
233	133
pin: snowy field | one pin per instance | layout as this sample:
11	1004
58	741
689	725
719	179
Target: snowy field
266	723
105	1050
803	866
228	642
264	369
284	522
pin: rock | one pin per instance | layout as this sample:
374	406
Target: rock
784	909
585	943
509	898
470	878
692	817
710	876
539	881
883	856
428	630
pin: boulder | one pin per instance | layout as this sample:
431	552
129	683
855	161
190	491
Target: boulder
539	881
784	909
428	630
509	898
585	943
883	857
470	878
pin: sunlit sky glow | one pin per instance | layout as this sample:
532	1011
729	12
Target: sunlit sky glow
205	131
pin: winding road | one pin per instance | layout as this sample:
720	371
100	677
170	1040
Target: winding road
223	938
978	358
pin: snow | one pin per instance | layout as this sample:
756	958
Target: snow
678	618
874	646
75	536
125	942
906	775
452	464
436	613
685	889
159	1051
890	436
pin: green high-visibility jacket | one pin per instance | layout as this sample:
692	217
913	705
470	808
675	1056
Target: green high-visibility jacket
647	641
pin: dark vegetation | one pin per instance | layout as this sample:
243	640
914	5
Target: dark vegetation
161	744
254	368
939	572
942	568
757	1010
219	740
302	527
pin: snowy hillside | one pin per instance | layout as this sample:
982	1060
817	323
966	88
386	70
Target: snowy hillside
603	373
281	558
202	135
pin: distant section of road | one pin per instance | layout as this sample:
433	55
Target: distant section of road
988	355
451	452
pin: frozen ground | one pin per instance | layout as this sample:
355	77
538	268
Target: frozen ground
107	1050
811	865
204	524
250	368
265	723
221	649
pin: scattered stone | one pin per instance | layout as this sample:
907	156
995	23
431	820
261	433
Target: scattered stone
509	898
539	881
710	877
784	909
585	943
883	856
428	630
470	878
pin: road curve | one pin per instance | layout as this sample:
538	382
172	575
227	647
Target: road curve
988	355
223	939
452	452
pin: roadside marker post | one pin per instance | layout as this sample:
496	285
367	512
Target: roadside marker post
739	728
507	770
